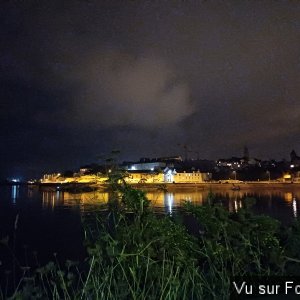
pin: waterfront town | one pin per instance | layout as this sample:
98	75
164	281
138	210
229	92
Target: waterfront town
176	170
202	198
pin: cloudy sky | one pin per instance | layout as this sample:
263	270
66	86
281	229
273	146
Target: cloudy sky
81	78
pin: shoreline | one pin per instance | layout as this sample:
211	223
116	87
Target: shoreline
168	187
221	186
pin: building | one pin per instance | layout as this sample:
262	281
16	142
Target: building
87	179
154	164
135	176
173	176
237	163
146	166
295	160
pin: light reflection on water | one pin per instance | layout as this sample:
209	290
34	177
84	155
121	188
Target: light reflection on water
295	207
51	221
171	200
277	203
14	193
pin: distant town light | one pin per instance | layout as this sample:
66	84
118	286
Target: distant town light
292	166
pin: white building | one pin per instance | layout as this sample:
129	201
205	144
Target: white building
173	176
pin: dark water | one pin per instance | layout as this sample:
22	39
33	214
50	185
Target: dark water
39	224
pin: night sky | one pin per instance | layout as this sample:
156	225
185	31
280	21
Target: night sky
81	78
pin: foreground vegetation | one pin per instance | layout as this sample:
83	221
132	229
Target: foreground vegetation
136	254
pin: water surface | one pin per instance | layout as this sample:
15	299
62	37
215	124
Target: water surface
41	223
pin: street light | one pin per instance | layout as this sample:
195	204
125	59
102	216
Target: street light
269	175
234	173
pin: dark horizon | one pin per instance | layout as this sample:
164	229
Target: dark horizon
101	162
79	79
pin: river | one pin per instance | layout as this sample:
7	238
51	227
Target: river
40	223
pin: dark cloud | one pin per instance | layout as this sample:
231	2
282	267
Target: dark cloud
120	90
79	78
